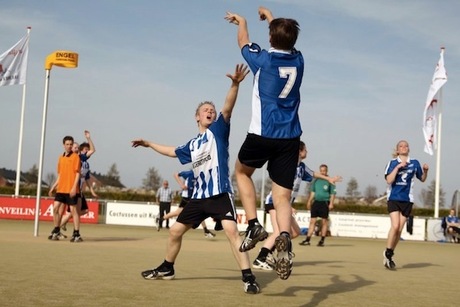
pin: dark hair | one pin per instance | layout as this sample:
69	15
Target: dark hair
67	138
83	145
302	145
283	33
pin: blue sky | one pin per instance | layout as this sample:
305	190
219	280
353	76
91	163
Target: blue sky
145	65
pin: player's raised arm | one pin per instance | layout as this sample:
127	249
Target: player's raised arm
241	72
243	34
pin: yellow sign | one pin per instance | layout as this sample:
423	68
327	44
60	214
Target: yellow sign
62	58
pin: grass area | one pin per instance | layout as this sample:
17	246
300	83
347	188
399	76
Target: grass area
105	270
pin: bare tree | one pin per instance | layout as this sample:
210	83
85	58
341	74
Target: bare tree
113	172
33	170
427	196
152	179
50	178
370	194
352	188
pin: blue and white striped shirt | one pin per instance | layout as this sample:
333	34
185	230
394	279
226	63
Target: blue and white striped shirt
208	153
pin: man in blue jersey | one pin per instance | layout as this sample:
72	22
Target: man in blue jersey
212	195
274	132
400	174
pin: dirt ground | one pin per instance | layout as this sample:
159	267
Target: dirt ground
104	270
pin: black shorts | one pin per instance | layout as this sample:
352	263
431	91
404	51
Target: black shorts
404	207
183	202
320	209
219	207
282	156
66	199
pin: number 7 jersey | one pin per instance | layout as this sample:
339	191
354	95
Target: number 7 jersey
276	91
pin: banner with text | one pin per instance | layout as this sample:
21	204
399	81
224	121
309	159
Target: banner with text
18	208
144	215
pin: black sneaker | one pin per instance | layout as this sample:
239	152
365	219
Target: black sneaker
321	243
159	273
283	256
250	286
61	236
76	238
388	261
304	242
54	236
252	236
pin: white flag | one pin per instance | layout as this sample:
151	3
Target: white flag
430	116
13	63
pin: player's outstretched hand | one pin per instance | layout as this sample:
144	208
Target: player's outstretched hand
233	18
241	71
265	14
139	142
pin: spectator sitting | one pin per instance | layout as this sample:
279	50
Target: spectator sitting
451	226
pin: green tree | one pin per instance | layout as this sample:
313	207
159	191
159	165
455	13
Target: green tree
152	179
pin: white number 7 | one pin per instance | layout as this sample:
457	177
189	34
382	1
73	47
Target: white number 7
291	74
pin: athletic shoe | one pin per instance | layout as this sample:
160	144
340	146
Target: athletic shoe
388	261
159	273
252	236
209	235
250	286
270	260
304	242
283	256
321	243
54	236
64	227
76	238
262	265
61	236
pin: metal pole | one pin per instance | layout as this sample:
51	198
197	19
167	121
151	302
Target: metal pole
42	150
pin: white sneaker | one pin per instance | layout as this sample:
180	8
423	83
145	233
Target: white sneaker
262	265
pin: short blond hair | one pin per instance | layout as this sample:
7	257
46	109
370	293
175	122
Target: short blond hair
197	111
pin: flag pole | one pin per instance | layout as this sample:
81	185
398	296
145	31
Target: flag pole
42	150
21	128
437	188
438	158
61	58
